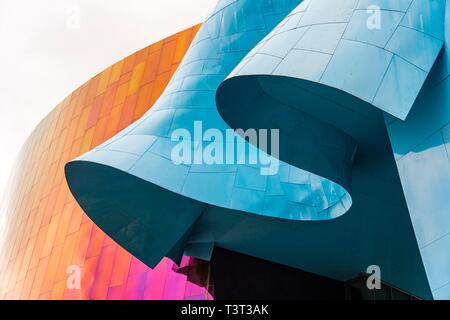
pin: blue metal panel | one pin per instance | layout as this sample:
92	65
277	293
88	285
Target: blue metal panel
398	5
357	29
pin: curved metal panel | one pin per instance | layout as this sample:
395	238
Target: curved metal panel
286	217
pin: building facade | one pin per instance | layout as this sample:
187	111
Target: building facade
43	230
355	178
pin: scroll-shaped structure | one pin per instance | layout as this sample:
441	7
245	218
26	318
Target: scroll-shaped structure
330	44
316	71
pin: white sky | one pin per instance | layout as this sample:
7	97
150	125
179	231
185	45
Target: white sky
50	47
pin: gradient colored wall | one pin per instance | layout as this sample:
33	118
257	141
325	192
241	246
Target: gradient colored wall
43	230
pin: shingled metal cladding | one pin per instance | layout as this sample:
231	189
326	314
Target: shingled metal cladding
326	61
43	231
359	92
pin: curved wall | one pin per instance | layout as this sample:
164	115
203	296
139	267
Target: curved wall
324	61
43	231
397	176
168	206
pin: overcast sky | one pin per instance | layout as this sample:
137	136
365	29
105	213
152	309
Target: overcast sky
50	47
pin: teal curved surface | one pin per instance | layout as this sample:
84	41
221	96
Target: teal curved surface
336	204
368	84
144	149
332	44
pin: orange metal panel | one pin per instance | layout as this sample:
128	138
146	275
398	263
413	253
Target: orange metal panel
126	117
143	101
